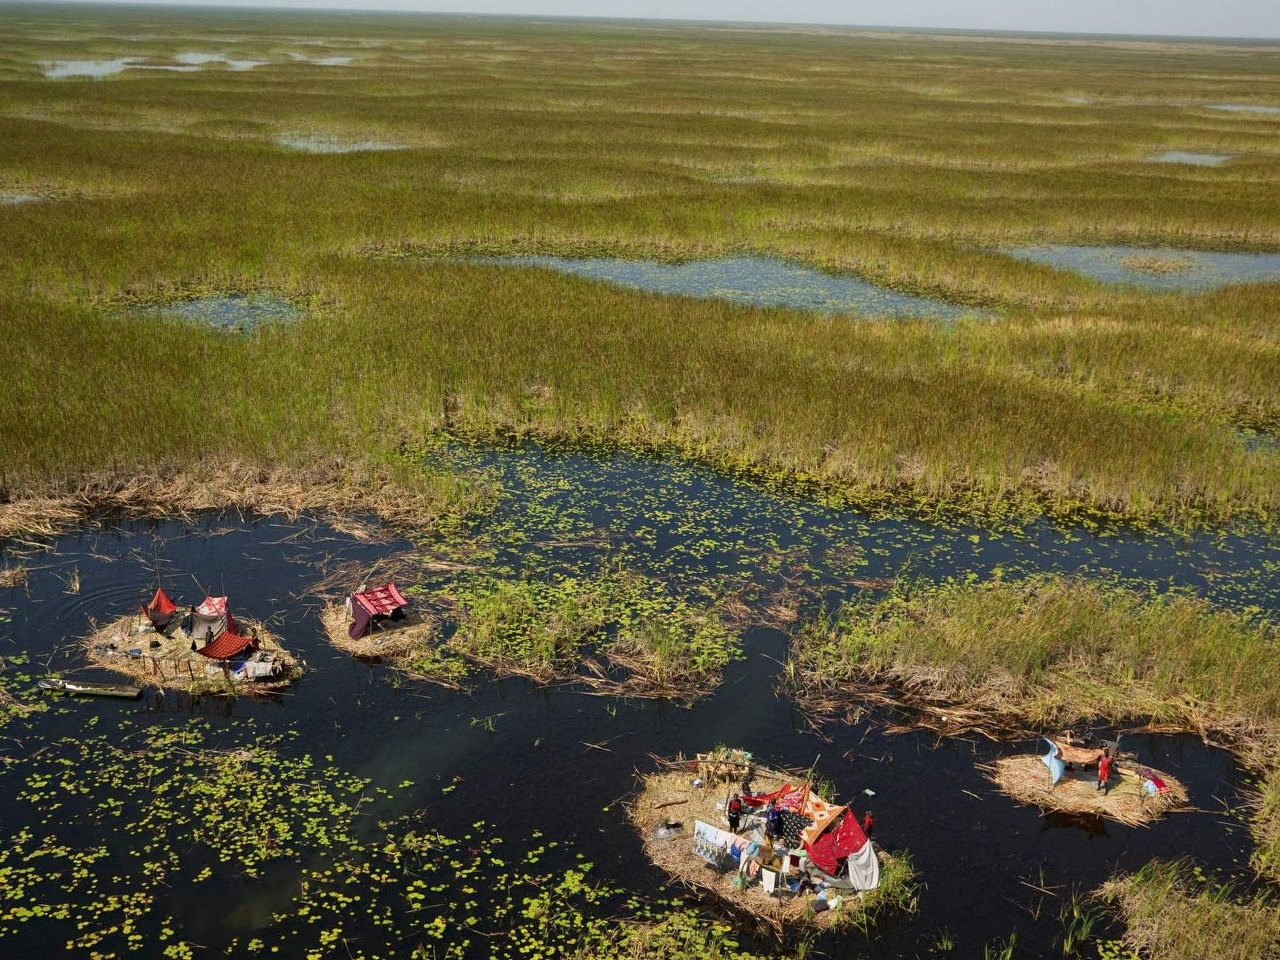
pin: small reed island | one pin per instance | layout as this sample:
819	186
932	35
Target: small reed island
377	623
205	651
1096	779
764	841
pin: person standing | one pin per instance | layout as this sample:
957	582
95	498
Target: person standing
734	809
868	824
772	820
1104	772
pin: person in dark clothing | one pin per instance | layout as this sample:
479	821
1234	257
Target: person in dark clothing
868	824
1104	772
772	821
746	780
734	809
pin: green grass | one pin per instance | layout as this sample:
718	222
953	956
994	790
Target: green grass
1054	650
905	159
1172	914
656	643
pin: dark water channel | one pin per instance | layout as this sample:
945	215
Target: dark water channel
520	757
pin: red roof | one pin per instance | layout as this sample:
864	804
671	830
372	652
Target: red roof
381	600
228	644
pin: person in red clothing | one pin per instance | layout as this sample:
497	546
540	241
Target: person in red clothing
1104	772
868	824
734	810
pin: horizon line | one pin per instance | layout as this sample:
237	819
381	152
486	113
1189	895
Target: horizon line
268	7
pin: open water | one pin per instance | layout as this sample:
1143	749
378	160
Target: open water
1196	269
759	281
520	756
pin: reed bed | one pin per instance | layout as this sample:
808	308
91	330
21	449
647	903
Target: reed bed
174	665
401	498
1026	779
1078	399
669	796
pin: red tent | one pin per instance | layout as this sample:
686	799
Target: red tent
370	607
160	610
836	843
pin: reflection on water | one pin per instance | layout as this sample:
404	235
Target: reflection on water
1157	268
323	143
759	281
15	199
1193	159
236	311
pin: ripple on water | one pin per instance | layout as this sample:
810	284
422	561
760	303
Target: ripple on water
1156	268
758	281
232	311
1194	159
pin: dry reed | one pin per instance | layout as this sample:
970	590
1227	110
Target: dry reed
392	642
1026	779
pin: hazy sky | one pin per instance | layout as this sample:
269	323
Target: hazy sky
1229	18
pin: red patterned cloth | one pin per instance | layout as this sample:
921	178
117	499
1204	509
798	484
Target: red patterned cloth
381	601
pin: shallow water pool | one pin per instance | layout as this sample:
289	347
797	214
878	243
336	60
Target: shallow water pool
235	311
1192	159
758	281
318	143
1156	268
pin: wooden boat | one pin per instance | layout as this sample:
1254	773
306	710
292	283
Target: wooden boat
84	689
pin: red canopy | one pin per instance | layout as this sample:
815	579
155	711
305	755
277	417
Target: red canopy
161	604
830	849
228	644
381	601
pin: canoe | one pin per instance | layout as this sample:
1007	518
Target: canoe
84	689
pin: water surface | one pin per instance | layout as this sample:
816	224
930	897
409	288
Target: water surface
235	311
17	199
320	143
55	69
1192	159
556	760
1191	269
758	281
200	59
1243	108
